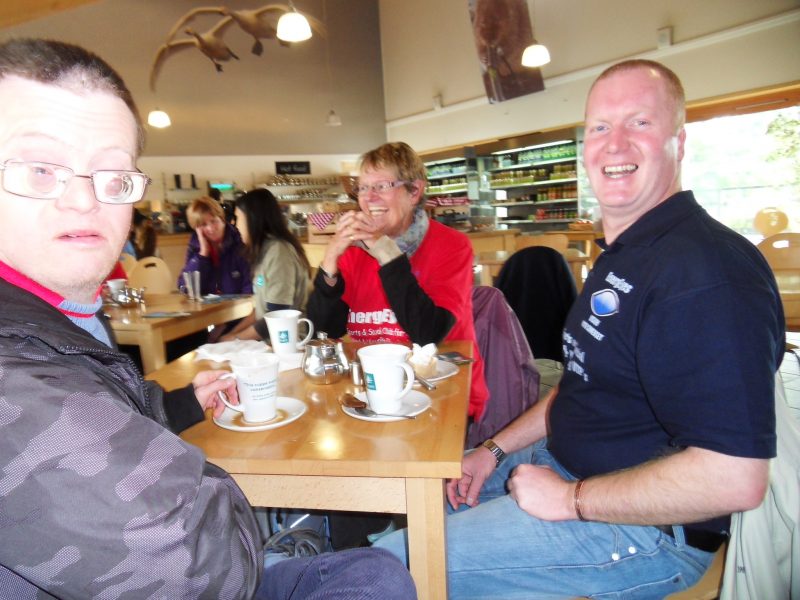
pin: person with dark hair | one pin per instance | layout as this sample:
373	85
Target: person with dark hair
143	235
621	482
281	273
99	498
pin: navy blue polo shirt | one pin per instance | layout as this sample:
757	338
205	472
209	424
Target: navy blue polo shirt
673	342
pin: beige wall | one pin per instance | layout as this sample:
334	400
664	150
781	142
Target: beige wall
719	47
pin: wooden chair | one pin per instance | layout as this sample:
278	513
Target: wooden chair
782	252
559	242
128	262
708	588
769	221
710	584
556	241
153	274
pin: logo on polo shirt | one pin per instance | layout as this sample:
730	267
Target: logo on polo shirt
605	303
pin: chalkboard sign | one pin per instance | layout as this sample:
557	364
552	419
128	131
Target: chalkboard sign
297	167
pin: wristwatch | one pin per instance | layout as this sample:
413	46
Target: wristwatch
499	455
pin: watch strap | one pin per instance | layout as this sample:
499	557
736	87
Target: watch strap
497	451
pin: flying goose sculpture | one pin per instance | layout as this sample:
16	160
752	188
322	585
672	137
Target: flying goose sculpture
209	43
260	23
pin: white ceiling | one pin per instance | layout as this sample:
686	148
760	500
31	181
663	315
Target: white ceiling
272	104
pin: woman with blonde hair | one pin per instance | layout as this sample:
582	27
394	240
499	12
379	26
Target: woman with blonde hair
215	250
391	274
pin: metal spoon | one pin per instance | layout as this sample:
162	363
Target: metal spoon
428	385
361	408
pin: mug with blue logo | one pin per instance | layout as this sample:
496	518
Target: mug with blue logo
387	376
282	325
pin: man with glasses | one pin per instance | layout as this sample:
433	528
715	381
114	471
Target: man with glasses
98	496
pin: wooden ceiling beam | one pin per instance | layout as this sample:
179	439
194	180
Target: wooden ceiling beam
14	12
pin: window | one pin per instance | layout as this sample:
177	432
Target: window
738	165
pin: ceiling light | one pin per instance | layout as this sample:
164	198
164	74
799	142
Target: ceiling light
333	119
293	27
158	118
535	55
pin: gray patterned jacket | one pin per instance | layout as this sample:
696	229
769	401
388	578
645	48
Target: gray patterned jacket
98	498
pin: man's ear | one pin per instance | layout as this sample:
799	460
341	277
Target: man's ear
681	143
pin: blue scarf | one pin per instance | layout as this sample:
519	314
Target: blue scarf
409	241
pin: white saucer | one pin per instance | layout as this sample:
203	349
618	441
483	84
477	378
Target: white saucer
288	409
444	370
413	404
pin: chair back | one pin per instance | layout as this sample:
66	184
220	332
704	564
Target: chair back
153	274
782	252
556	241
540	288
769	221
128	261
508	365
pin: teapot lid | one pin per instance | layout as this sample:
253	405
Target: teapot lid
321	341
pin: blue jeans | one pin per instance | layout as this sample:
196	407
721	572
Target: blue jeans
498	551
357	574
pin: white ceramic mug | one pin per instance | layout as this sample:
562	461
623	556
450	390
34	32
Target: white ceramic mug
257	382
282	325
384	366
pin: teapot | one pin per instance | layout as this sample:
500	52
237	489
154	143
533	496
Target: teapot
324	360
127	297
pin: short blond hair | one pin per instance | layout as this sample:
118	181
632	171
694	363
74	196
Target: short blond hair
399	156
200	207
672	82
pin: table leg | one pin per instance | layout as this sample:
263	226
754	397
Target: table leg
153	351
426	542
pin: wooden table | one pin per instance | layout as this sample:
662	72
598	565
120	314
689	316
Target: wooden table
330	461
132	327
492	262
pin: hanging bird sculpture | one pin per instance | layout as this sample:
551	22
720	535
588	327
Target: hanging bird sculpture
209	43
260	23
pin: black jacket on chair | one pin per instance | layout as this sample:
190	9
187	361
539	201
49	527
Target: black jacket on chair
539	287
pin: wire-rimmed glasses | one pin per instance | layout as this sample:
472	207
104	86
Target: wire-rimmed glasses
46	181
381	187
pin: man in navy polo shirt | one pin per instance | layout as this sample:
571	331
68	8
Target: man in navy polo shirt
623	480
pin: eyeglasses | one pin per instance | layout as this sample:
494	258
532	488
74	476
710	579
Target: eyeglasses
382	187
45	181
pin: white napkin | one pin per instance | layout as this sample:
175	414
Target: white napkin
224	351
290	361
227	351
422	354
